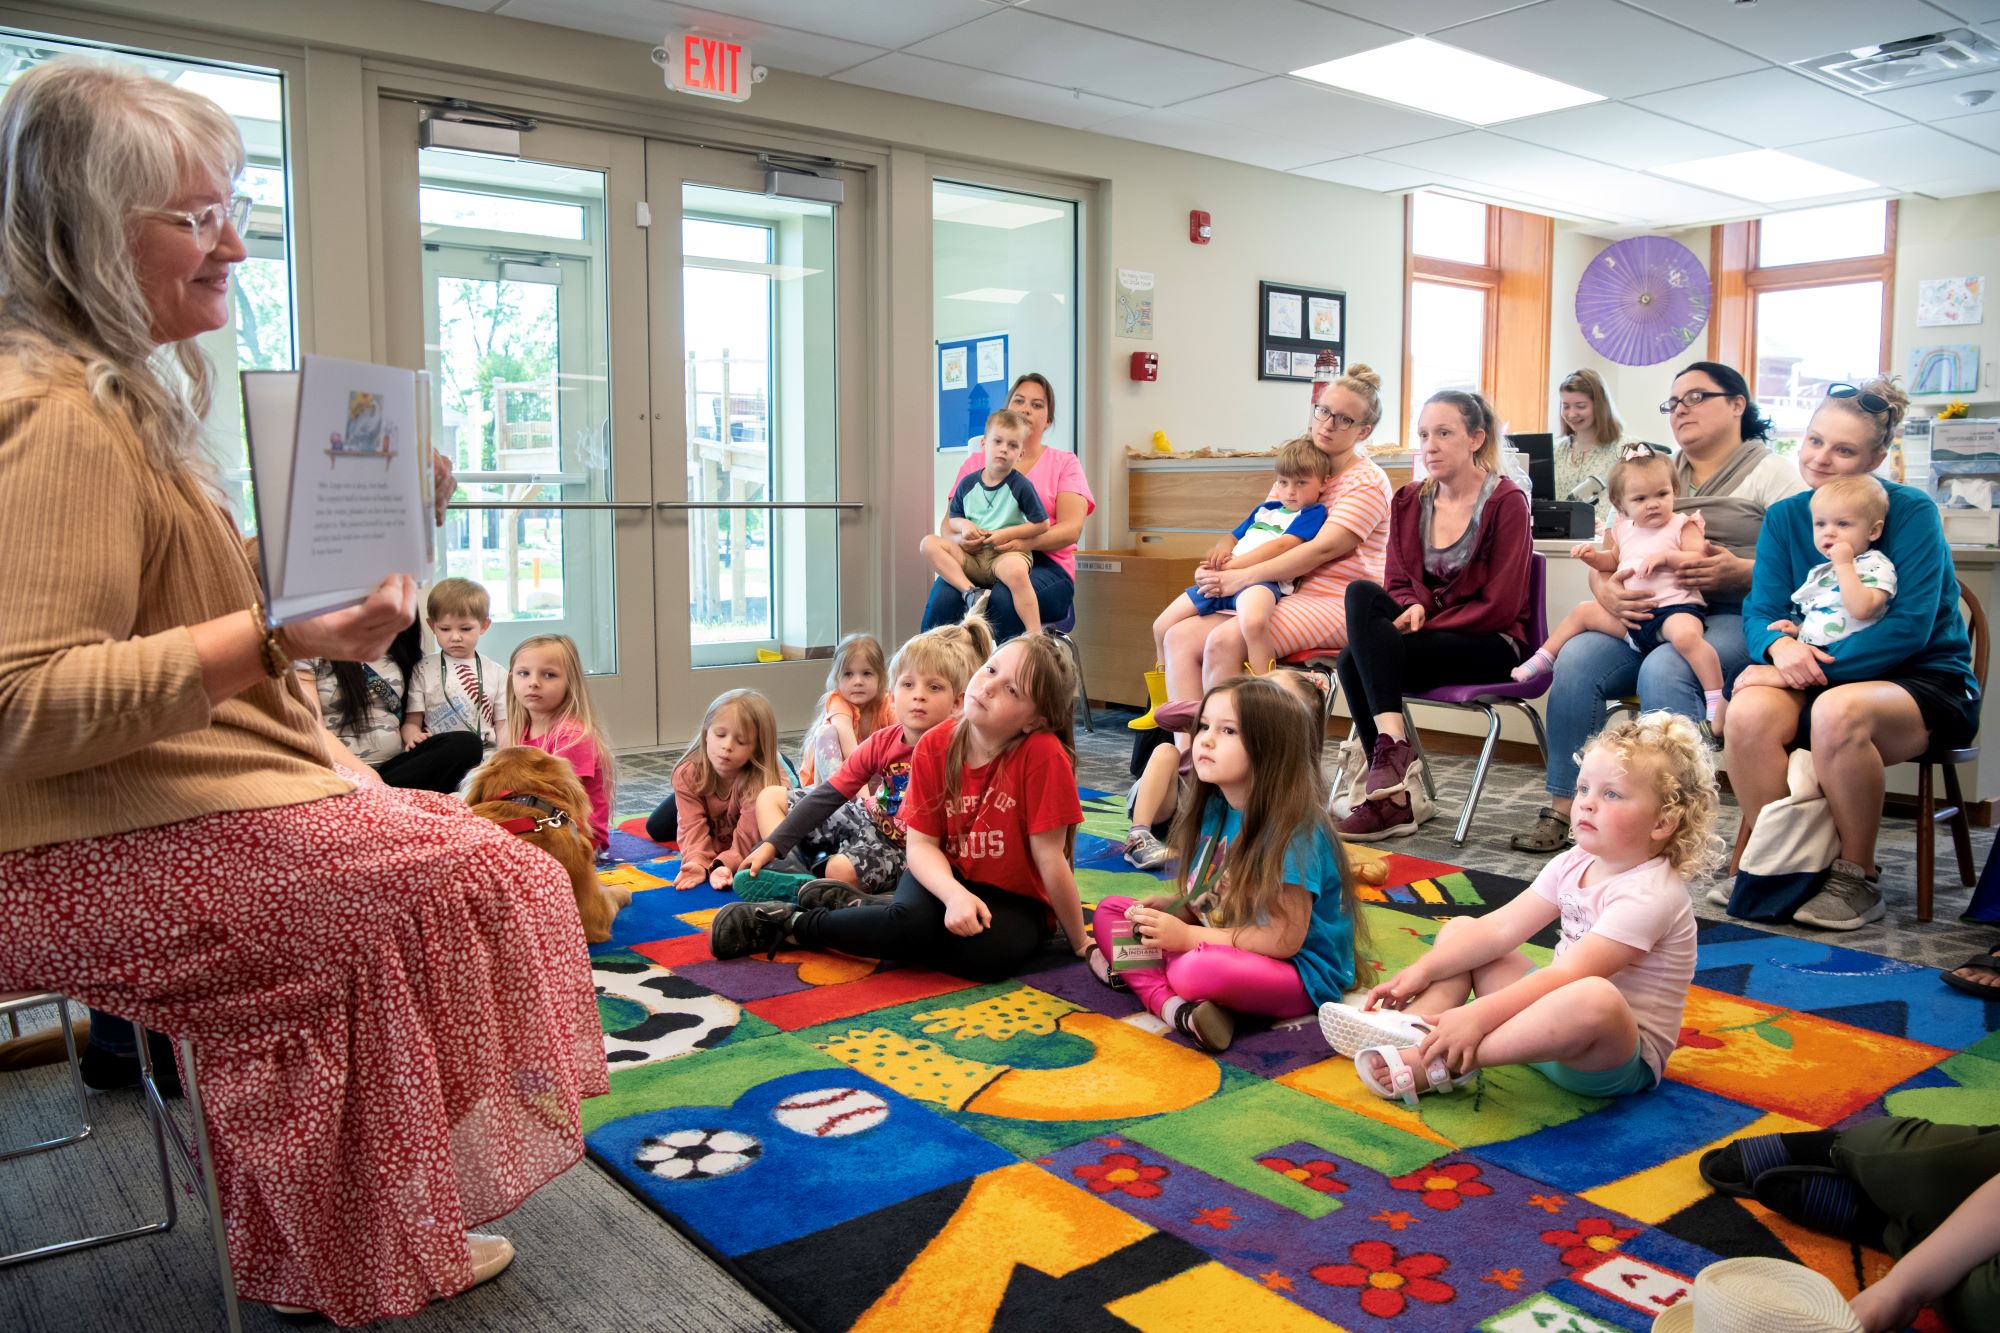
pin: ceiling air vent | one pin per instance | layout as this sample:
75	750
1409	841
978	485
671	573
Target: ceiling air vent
1907	63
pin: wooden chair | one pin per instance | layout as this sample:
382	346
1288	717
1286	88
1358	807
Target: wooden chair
1929	812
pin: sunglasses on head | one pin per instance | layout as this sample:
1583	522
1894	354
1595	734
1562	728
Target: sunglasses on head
1872	403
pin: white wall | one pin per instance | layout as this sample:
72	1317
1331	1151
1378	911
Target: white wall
1948	238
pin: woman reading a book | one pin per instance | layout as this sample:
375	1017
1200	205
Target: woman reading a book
400	985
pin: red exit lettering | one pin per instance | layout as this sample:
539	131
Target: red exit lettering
711	65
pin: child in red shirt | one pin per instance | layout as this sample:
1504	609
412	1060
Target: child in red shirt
849	827
991	814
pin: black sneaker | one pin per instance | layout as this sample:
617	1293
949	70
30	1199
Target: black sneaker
741	929
830	895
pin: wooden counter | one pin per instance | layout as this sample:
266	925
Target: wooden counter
1210	494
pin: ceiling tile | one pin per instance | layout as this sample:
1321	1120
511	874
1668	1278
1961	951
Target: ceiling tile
1276	36
1899	157
1427	16
953	84
1939	101
1771	109
1671	203
1786	32
1029	46
883	23
1952	187
470	4
1232	143
1318	114
1366	173
1615	132
1972	11
1544	38
648	21
1981	129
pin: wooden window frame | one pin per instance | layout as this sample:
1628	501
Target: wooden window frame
1739	280
1514	360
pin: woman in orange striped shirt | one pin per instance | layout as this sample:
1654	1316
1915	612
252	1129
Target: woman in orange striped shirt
1353	544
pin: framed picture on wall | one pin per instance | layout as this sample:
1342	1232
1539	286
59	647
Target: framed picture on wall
1295	324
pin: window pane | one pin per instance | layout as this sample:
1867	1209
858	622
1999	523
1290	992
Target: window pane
1003	283
261	294
1809	338
518	350
762	424
531	217
1445	227
1840	232
1447	341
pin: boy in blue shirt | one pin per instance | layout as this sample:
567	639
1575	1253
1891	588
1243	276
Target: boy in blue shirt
987	508
1292	517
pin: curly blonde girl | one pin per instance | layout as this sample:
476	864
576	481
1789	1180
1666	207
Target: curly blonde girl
1671	750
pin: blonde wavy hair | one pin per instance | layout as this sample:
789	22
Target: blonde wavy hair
1672	752
951	653
86	147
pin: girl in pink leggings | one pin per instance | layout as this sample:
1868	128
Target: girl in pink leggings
1266	924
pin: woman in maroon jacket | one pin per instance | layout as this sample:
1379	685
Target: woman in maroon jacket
1453	608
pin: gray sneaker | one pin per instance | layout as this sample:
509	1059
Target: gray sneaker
1848	902
975	600
1144	850
1721	891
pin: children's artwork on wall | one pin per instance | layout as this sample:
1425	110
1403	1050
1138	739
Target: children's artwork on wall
1135	303
1951	368
1294	325
1946	302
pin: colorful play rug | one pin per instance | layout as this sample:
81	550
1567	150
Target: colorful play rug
890	1148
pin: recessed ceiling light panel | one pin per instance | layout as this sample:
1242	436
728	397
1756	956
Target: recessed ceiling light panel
1766	175
1446	81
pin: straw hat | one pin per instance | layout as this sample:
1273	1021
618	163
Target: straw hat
1760	1296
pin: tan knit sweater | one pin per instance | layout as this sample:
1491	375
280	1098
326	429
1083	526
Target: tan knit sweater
105	726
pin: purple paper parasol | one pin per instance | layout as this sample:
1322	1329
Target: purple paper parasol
1643	300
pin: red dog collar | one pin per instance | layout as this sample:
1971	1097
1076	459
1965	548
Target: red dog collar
553	816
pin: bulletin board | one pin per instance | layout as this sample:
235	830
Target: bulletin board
1294	325
971	386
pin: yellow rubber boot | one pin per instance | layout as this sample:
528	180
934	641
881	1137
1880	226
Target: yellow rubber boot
1156	694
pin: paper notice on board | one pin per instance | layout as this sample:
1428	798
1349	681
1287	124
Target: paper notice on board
1285	317
990	359
342	477
1323	312
951	368
1135	303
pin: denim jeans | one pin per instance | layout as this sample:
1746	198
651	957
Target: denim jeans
1055	591
1594	669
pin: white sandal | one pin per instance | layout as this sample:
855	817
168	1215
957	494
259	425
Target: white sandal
1350	1029
1402	1079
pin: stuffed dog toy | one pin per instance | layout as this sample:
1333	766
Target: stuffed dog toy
536	796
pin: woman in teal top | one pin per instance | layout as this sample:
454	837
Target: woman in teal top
1883	695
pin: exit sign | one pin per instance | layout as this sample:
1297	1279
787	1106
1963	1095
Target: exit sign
708	66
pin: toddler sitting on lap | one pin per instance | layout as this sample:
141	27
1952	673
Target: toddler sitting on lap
1851	591
1272	528
1648	541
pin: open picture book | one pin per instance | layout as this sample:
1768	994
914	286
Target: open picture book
340	460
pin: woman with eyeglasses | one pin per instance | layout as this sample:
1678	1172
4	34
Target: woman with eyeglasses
1882	695
1352	544
389	998
1725	470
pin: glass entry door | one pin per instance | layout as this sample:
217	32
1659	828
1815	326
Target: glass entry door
657	442
756	412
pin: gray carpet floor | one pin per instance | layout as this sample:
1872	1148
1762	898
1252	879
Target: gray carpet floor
592	1258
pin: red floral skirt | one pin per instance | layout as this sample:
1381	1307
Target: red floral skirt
392	1009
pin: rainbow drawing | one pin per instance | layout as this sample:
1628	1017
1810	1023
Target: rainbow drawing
1950	368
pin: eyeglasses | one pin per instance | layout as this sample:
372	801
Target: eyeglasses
206	223
1872	403
1693	398
1340	420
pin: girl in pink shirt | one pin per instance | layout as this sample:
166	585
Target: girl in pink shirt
734	757
1602	1018
550	710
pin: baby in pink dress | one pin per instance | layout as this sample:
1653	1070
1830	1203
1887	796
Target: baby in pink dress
1649	541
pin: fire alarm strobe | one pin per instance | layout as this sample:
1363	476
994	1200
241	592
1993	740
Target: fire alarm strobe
1199	229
